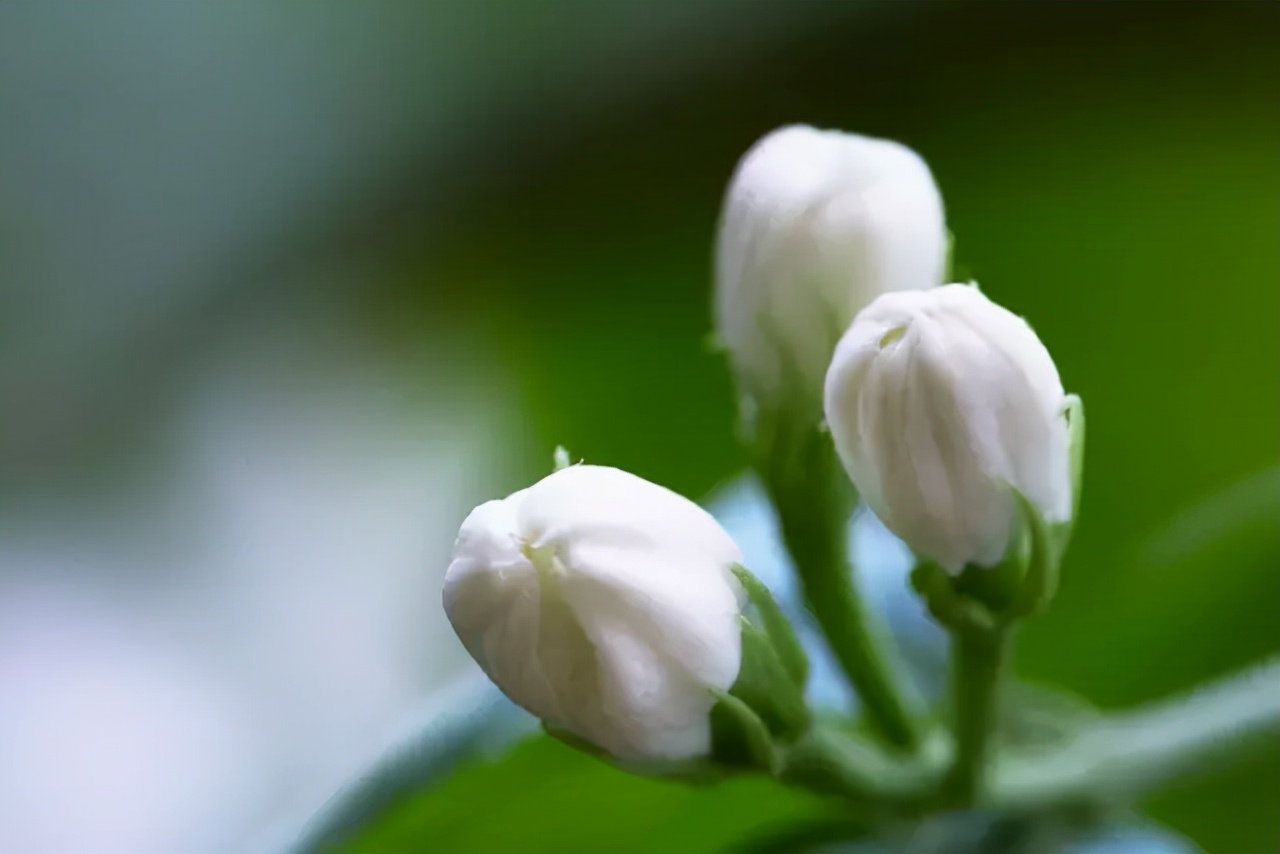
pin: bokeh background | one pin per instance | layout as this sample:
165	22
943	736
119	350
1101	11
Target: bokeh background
286	288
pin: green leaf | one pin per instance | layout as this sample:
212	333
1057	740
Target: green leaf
544	797
1034	717
1242	514
811	836
439	742
1121	756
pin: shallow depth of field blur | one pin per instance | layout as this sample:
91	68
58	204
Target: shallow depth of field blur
285	289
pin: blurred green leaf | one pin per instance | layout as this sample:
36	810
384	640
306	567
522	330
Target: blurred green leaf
465	722
545	797
1242	516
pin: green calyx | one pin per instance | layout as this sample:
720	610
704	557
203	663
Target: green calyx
776	626
765	708
983	599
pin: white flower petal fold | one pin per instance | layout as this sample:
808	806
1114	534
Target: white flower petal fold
603	604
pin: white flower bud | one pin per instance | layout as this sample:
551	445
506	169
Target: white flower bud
815	225
941	403
605	605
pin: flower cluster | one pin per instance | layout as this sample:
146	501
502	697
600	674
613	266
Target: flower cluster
618	613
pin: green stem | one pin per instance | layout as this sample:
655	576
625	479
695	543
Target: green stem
833	761
814	502
978	663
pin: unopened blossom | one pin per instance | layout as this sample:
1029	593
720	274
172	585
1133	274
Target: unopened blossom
941	403
603	604
815	225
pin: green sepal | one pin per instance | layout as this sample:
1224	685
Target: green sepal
949	259
739	738
1040	578
1073	411
947	604
776	626
764	684
982	599
995	588
1060	532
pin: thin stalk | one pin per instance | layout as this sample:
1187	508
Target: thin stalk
814	503
978	663
834	761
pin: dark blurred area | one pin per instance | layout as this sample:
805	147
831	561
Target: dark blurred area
285	289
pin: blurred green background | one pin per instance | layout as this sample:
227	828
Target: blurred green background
1111	171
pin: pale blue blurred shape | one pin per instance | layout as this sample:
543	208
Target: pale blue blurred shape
883	564
982	833
1143	839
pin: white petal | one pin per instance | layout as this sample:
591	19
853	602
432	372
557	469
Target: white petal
602	504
